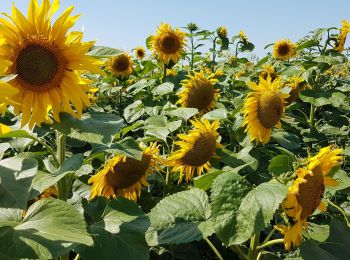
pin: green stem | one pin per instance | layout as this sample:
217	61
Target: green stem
164	72
76	257
217	253
214	49
254	243
49	149
192	51
269	235
341	211
312	113
238	251
62	185
270	243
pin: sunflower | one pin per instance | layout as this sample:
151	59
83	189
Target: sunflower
263	108
121	65
243	37
222	32
306	193
296	84
124	176
4	129
168	43
268	70
140	52
46	59
342	36
171	72
195	149
198	92
284	49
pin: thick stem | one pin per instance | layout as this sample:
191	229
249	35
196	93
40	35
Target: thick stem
62	185
192	51
238	251
312	113
254	243
217	253
164	72
270	243
341	211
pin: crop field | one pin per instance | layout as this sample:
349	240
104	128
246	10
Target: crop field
186	147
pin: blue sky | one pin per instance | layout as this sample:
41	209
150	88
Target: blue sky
126	24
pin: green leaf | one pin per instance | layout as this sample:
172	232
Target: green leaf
336	246
280	164
343	180
330	59
16	179
44	180
163	89
47	231
216	114
322	98
287	140
307	44
17	133
134	111
258	207
159	127
3	148
180	218
127	146
205	181
102	51
94	127
183	112
227	193
118	233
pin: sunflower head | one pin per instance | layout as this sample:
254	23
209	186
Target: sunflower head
243	37
306	193
195	149
263	108
198	92
296	84
46	59
284	49
222	32
192	27
341	38
121	65
168	43
171	72
124	176
140	52
268	71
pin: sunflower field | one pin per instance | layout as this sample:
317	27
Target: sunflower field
188	147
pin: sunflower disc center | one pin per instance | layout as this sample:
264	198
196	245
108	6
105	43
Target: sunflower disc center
201	95
121	63
270	109
310	194
129	172
203	149
284	49
36	65
169	43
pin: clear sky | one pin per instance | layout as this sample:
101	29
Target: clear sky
126	24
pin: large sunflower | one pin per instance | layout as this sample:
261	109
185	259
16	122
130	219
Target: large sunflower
124	176
46	59
195	149
198	92
263	108
121	65
342	36
284	49
168	44
306	193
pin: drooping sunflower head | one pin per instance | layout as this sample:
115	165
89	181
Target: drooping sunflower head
47	60
124	176
140	52
195	149
222	32
284	49
198	92
263	109
121	65
340	43
296	84
243	37
168	43
306	193
268	71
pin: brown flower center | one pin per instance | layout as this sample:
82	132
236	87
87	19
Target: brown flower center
270	109
284	49
265	74
293	94
201	95
169	43
310	193
120	63
128	172
203	149
140	53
